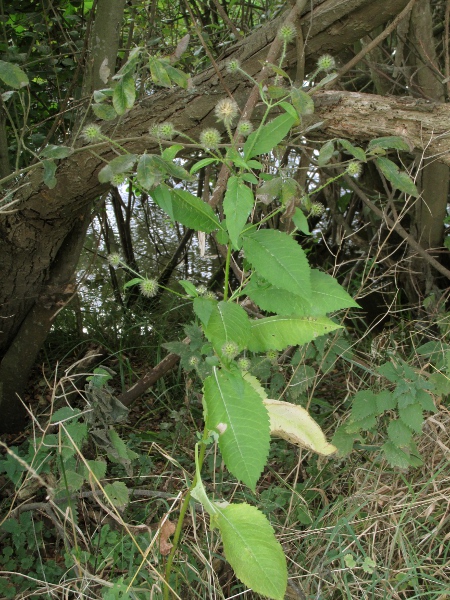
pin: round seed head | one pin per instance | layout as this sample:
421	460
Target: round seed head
201	290
230	350
245	128
233	65
287	33
210	138
193	361
354	168
149	287
244	364
92	132
210	295
118	179
317	209
114	259
166	131
226	110
326	63
272	355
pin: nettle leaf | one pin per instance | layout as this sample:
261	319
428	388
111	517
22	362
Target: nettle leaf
124	94
228	322
268	136
236	411
395	456
275	300
277	333
325	153
13	75
294	424
385	401
203	308
395	142
270	190
328	295
193	212
74	481
426	401
302	102
399	433
117	493
52	151
399	179
412	416
96	468
65	413
252	549
355	151
237	205
344	440
279	259
49	173
104	111
364	405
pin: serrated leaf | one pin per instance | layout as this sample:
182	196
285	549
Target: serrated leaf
268	136
344	440
118	166
277	333
52	151
279	259
96	468
237	205
394	142
294	424
426	401
269	190
252	549
385	401
236	411
117	493
203	308
275	300
104	111
325	153
193	212
399	433
395	456
399	179
162	195
13	75
300	221
49	173
355	151
64	413
72	481
302	102
228	322
124	94
121	448
328	295
364	404
412	416
74	435
171	168
189	288
301	380
364	424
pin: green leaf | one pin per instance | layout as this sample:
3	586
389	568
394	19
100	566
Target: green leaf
276	333
344	440
302	102
96	468
364	404
178	77
228	322
132	282
268	136
193	212
275	300
52	151
236	411
399	433
279	259
159	72
252	549
355	151
119	445
328	295
162	195
203	308
399	179
74	481
270	189
189	288
124	94
325	153
289	109
104	111
385	401
201	164
426	401
13	75
118	166
64	413
412	416
171	152
237	205
147	173
300	221
117	493
395	456
385	143
49	173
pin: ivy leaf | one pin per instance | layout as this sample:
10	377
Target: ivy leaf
104	111
124	94
13	75
277	333
268	136
228	322
236	411
237	205
279	259
412	416
252	549
399	179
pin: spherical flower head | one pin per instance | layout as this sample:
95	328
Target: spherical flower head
210	138
193	361
317	209
354	168
233	65
244	364
210	295
287	33
201	290
272	355
230	350
149	287
226	110
326	63
114	259
245	128
92	133
166	131
118	179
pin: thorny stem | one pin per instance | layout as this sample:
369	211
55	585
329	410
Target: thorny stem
184	507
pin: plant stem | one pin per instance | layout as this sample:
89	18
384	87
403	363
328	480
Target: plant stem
227	273
184	507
